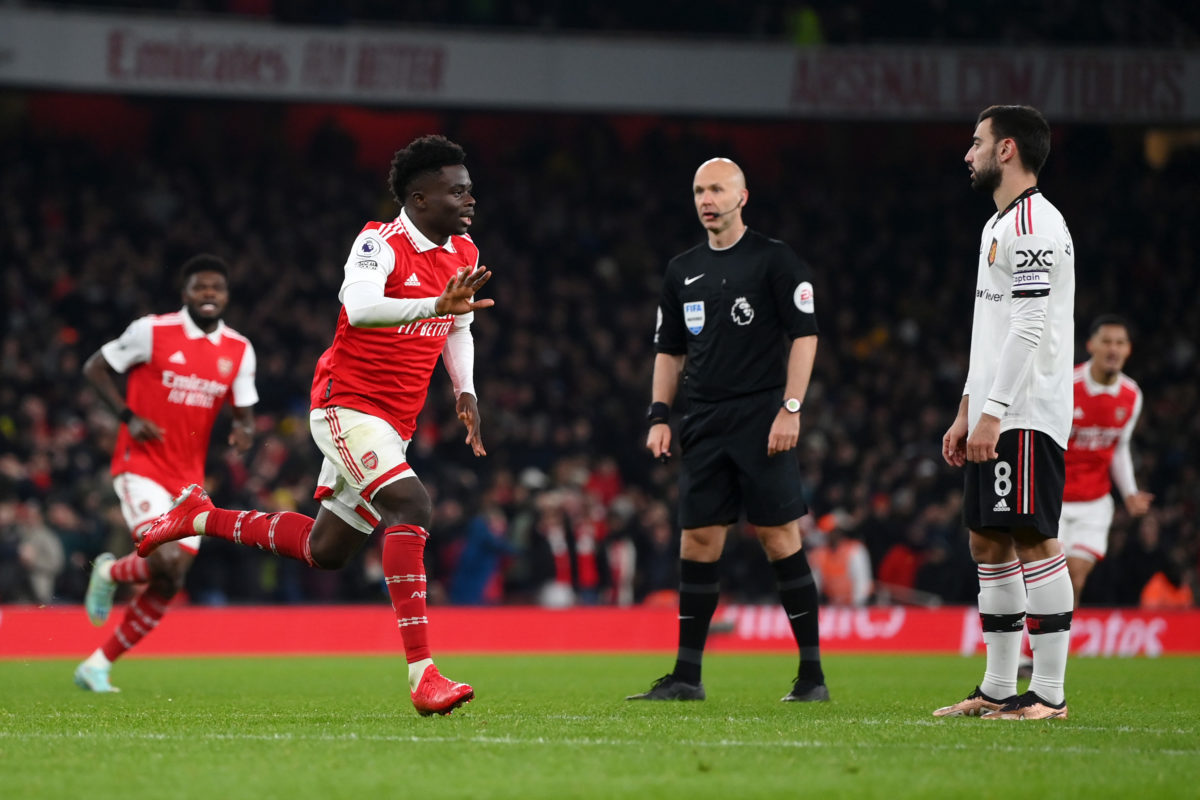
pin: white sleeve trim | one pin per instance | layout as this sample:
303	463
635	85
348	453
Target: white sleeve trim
134	346
1122	463
245	393
366	306
371	259
458	354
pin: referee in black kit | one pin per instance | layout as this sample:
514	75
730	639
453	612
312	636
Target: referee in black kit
737	320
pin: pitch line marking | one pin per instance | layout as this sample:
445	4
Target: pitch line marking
574	742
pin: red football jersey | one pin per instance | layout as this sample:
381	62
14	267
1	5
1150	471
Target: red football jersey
1104	418
385	372
178	378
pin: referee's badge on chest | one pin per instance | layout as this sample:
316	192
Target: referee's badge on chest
693	316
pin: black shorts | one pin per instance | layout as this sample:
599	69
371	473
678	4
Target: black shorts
1023	488
726	469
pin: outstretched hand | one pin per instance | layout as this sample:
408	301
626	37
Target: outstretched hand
468	412
456	299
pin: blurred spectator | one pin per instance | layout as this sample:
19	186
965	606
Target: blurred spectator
37	550
477	572
1169	587
840	564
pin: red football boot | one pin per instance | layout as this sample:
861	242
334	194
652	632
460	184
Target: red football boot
177	523
436	694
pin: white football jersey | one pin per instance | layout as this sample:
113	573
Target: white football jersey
1022	337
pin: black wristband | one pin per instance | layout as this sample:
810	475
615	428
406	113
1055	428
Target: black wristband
126	415
659	413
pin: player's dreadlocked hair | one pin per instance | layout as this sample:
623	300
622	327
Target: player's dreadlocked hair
427	154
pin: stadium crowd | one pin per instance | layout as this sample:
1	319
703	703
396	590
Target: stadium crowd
577	217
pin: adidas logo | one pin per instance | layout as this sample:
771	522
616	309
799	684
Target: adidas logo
1001	506
177	357
412	280
1078	412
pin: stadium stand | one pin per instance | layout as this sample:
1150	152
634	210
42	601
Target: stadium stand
101	198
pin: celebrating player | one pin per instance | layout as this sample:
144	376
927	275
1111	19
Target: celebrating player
1107	406
368	389
182	368
1014	420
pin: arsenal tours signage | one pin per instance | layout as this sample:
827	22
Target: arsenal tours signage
224	58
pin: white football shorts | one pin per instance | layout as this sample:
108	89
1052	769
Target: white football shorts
1083	528
362	455
142	500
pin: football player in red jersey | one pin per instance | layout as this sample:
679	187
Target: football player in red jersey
367	391
1108	404
181	369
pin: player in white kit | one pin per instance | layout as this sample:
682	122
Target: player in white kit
1014	420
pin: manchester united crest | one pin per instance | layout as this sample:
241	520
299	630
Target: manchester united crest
370	460
992	253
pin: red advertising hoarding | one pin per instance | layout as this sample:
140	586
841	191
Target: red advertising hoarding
34	632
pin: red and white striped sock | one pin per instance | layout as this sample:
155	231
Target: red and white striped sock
141	617
130	569
284	533
404	572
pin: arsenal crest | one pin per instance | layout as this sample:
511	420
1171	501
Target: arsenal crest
224	366
370	460
992	253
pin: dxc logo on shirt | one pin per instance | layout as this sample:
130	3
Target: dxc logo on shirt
1035	258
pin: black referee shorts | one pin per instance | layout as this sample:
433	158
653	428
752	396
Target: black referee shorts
1023	488
726	469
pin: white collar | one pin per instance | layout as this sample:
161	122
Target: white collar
419	241
1095	387
194	331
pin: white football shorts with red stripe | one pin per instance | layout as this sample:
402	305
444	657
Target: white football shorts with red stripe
362	455
143	501
1083	528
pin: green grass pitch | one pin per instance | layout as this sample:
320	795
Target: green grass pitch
558	727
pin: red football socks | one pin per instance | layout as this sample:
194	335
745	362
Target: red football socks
404	572
284	533
130	569
141	617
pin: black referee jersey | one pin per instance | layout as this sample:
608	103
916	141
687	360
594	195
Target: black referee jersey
733	312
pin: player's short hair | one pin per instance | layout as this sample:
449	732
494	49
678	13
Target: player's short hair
1026	126
1108	319
204	262
422	156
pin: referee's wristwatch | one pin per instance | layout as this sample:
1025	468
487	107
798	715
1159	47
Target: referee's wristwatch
792	405
659	413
